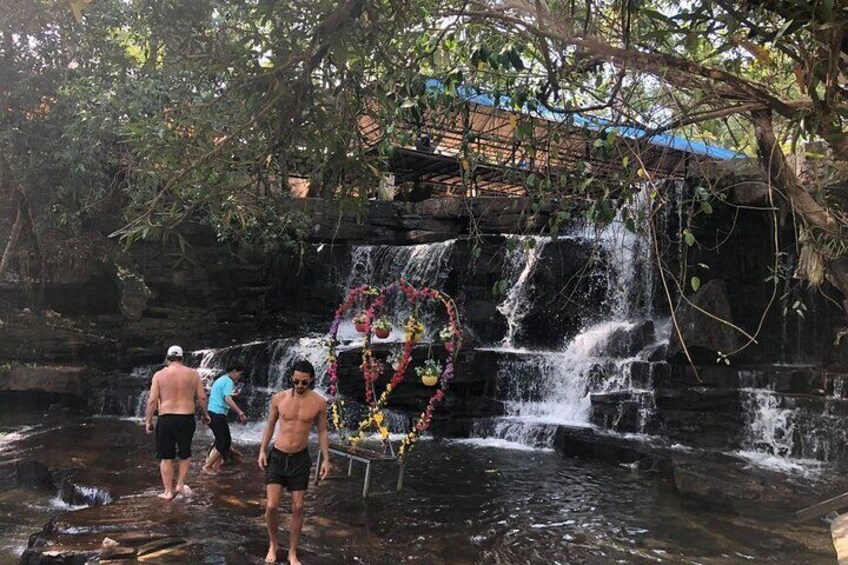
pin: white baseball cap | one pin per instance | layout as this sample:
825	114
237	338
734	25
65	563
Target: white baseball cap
175	351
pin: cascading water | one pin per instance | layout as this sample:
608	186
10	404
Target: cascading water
790	432
769	427
521	262
268	363
546	389
125	396
380	265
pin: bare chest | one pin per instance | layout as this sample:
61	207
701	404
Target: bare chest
297	410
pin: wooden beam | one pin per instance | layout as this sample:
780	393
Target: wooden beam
822	508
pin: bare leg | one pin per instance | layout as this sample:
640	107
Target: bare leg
166	469
211	462
181	476
296	524
272	519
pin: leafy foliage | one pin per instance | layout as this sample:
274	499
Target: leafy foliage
207	109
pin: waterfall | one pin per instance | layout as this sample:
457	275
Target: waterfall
268	365
123	396
521	262
268	362
379	265
769	428
545	389
790	432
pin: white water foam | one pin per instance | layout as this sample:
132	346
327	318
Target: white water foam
771	433
566	378
498	443
770	428
379	265
547	389
803	467
521	264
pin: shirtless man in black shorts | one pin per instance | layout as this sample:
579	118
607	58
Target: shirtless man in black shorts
288	462
174	391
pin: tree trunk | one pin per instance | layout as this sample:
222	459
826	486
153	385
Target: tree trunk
810	211
12	243
779	173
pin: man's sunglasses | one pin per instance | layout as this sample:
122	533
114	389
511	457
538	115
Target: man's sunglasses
298	382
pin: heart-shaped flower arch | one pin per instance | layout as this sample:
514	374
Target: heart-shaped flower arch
373	301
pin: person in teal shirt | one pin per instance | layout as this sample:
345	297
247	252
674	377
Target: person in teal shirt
220	403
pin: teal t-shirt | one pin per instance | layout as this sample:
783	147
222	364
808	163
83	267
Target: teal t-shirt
221	388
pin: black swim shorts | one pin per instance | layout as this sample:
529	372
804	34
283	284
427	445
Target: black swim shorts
174	433
290	470
221	430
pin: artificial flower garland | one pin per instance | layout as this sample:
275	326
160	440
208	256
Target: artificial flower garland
372	369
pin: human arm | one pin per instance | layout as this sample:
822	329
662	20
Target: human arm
200	398
233	406
273	415
152	403
324	441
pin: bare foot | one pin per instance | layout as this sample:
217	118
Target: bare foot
166	495
185	491
293	560
209	471
272	555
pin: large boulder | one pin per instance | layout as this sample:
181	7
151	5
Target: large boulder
705	335
53	379
22	473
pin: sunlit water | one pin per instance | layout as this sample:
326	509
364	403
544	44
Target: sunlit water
478	501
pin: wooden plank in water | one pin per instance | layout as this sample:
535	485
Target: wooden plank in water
822	508
839	532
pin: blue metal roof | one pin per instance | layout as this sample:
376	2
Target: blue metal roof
472	94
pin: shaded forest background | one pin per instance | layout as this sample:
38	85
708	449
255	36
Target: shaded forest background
132	118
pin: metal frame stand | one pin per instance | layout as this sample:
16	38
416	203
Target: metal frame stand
363	459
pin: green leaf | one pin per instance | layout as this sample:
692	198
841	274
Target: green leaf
696	283
689	237
499	288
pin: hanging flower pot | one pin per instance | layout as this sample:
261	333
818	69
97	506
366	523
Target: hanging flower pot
383	327
394	359
414	330
360	322
446	334
429	372
430	380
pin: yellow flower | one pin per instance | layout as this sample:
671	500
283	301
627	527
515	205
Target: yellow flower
384	431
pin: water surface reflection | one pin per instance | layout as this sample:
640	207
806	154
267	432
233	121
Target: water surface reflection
461	504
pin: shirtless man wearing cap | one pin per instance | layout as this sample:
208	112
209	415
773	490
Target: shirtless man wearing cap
288	463
174	391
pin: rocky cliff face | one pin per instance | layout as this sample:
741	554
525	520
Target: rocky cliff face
100	310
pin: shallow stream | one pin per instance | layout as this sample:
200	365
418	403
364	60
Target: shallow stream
463	502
